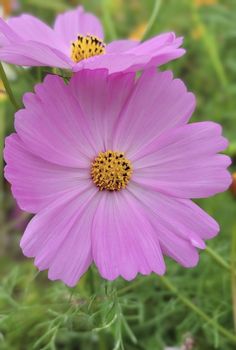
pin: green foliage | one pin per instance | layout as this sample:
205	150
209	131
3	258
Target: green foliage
150	312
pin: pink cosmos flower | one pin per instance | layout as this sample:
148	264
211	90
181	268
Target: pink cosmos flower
108	164
76	42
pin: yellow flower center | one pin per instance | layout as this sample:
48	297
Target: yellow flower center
85	47
111	171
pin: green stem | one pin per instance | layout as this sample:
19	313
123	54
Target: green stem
233	277
7	87
210	45
91	280
197	310
135	284
220	261
152	20
108	22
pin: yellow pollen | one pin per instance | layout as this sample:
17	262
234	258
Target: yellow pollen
111	171
86	46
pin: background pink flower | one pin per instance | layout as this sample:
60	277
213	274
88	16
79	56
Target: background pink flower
59	135
27	41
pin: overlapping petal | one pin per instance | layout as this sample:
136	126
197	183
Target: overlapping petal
123	241
32	53
25	40
31	28
101	97
71	23
54	119
59	133
154	52
62	242
158	103
180	225
118	46
183	162
35	182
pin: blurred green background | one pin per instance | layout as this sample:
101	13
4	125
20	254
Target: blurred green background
186	309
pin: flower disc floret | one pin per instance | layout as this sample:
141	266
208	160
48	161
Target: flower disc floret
86	46
111	171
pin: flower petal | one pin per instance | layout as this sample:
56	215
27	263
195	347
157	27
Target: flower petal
59	236
32	53
101	97
71	23
182	162
160	49
118	46
152	53
31	28
158	103
7	34
151	46
180	224
123	241
35	182
53	126
114	62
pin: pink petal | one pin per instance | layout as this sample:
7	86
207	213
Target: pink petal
151	53
114	62
163	48
31	28
7	34
119	46
25	40
183	162
123	241
54	127
101	97
71	23
160	49
151	46
158	103
177	221
35	182
59	236
32	53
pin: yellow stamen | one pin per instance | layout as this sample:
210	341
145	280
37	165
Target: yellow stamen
110	170
86	46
